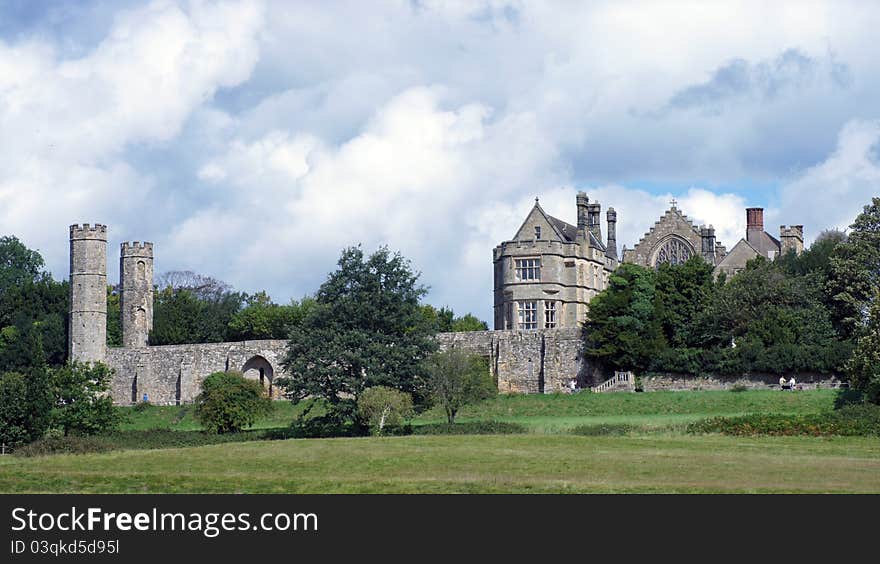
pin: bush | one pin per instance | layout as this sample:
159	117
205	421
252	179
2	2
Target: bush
65	445
381	407
738	388
471	428
325	426
13	409
25	407
82	406
604	429
230	402
851	420
457	379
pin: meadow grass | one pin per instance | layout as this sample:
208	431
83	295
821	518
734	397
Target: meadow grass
550	413
468	464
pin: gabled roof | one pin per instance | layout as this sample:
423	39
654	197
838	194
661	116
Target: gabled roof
733	253
670	214
561	228
763	242
567	230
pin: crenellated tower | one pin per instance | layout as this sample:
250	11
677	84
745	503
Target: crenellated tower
87	340
136	292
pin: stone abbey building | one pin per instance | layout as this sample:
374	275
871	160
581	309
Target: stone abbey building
547	274
545	278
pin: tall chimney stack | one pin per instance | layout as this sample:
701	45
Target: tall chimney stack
754	223
583	203
611	246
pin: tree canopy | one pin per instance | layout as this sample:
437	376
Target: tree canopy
366	329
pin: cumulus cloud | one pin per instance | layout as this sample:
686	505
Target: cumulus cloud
832	193
252	140
790	70
65	123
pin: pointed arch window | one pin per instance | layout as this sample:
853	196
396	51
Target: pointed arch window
674	251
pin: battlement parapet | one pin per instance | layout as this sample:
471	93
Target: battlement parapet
136	249
86	231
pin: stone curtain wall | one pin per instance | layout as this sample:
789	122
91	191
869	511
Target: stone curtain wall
527	362
173	374
680	383
521	362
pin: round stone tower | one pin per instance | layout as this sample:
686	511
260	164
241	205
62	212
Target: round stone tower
88	293
136	297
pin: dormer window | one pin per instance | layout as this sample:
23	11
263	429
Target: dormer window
537	232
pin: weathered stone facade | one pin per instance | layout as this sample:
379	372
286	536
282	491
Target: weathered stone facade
547	274
136	292
674	239
759	243
541	361
173	374
88	292
520	361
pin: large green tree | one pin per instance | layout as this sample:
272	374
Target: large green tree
18	264
33	310
622	330
366	329
261	318
854	277
863	368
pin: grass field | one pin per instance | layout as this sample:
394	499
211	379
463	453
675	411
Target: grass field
555	413
655	456
467	464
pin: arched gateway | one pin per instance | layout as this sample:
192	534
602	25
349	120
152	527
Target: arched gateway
259	369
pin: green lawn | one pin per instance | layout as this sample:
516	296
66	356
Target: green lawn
556	413
453	464
654	457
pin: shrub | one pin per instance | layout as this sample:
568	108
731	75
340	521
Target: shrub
82	405
851	420
25	406
230	402
381	407
604	429
457	379
471	428
13	409
738	388
65	445
325	426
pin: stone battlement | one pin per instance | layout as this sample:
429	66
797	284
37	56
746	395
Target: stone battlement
86	231
136	249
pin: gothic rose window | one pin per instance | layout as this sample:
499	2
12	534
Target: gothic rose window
674	251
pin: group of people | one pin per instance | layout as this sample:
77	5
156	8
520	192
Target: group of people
788	384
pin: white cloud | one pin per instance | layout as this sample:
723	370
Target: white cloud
832	193
252	140
65	124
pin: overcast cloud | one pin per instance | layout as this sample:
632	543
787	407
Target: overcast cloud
252	140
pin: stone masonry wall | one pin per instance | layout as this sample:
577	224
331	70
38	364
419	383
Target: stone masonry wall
680	383
528	362
521	361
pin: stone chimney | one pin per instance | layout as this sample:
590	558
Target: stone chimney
754	224
611	246
583	203
594	214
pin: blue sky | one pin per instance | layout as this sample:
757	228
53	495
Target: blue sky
251	140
